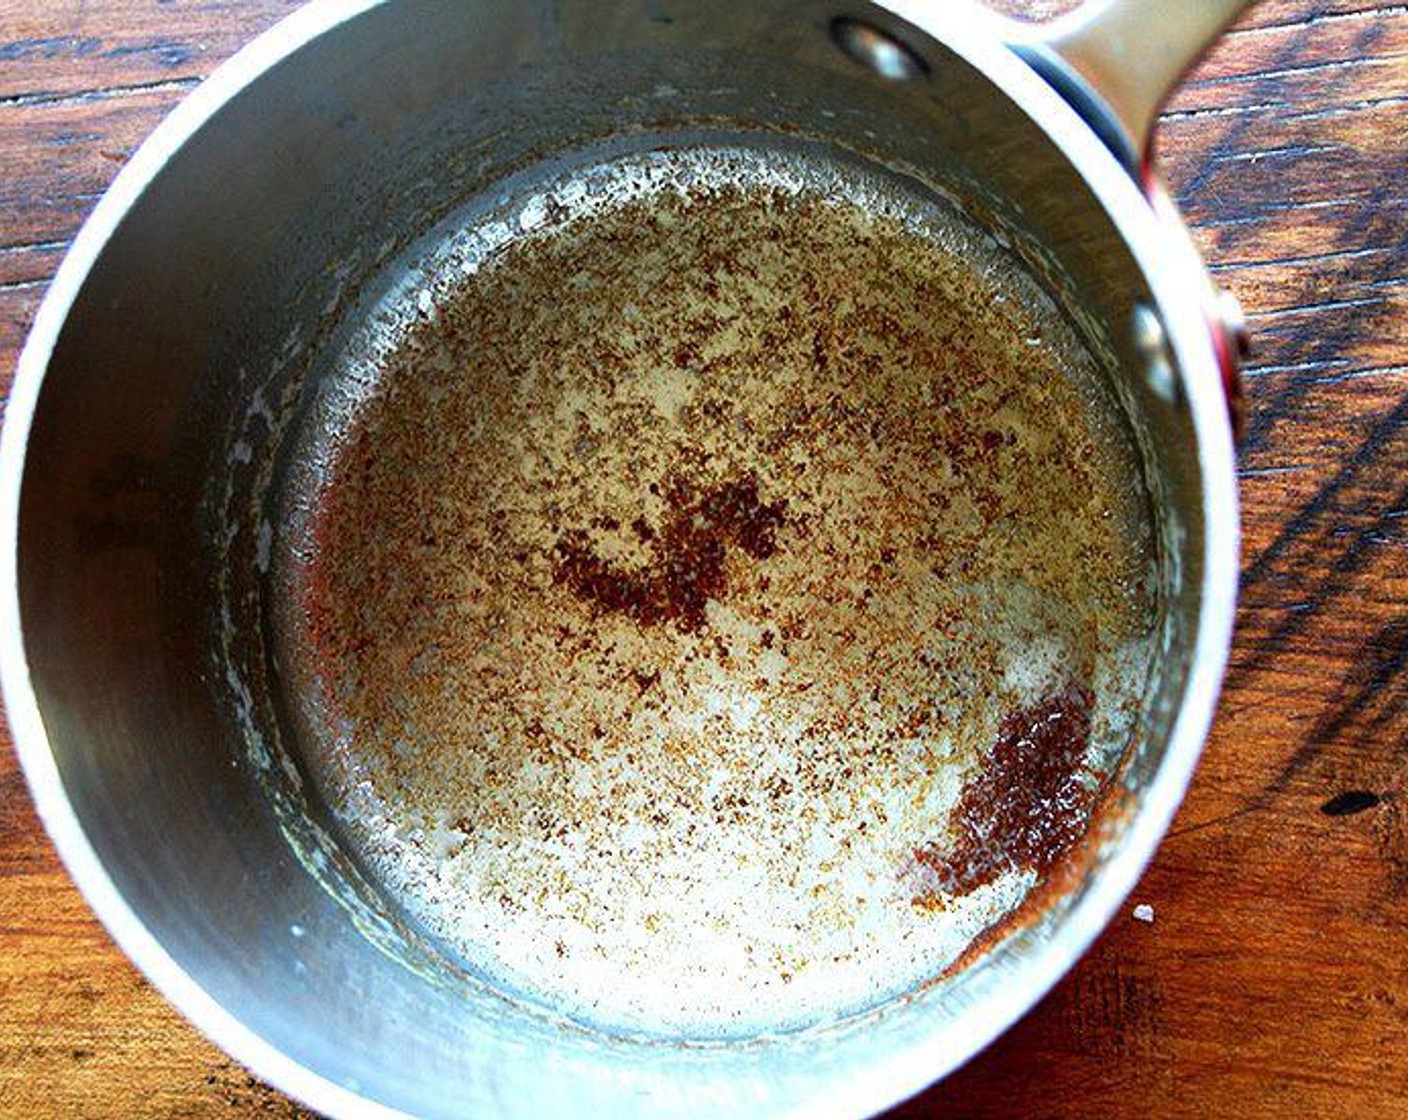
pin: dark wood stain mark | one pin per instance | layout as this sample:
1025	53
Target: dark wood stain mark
1350	802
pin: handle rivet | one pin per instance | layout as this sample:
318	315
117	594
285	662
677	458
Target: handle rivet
877	50
1151	343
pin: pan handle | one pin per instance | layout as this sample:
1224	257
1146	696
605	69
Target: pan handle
1117	60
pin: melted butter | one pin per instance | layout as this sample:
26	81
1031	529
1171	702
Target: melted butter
672	573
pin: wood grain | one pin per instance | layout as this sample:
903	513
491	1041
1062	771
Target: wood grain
1274	978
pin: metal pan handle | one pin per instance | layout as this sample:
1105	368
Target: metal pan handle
1117	60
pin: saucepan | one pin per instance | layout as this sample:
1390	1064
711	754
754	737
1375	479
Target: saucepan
424	414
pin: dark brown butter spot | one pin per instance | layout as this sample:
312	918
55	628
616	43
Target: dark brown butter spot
1025	809
687	566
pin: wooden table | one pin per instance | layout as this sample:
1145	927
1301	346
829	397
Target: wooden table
1274	978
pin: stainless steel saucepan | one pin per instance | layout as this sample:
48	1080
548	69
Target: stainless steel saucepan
155	416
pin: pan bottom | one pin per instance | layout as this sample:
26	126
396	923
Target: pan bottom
715	584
